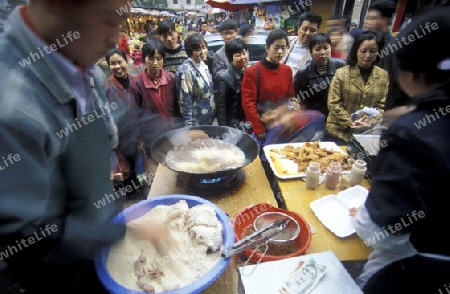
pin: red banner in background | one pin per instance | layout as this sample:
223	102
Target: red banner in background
226	5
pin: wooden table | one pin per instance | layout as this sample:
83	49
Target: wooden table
298	199
255	189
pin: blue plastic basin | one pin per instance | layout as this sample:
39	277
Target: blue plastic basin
139	209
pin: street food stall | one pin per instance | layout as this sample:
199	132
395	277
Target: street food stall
135	23
240	195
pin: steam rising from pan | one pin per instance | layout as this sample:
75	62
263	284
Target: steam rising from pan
182	136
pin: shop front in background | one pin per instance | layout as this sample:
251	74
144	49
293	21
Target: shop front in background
276	16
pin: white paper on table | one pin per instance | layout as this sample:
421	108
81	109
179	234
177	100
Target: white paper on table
270	276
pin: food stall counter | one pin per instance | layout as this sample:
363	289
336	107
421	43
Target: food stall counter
250	187
298	198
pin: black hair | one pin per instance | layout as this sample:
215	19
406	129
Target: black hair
366	35
335	30
385	7
319	38
274	35
228	24
204	22
235	46
264	106
115	51
151	47
193	42
311	17
245	30
166	26
426	54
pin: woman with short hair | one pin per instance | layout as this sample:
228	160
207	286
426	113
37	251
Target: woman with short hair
194	84
119	81
117	91
312	81
229	110
359	84
154	95
268	79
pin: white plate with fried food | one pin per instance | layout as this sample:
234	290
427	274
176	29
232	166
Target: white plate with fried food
289	161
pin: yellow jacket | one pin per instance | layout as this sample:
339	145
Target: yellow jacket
348	94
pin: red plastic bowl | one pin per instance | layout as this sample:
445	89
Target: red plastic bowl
245	218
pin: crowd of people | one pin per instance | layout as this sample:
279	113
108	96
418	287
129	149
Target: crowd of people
305	89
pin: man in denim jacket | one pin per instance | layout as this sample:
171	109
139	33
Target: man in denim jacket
56	133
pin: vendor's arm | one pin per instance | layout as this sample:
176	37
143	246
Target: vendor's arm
29	204
373	235
401	182
392	114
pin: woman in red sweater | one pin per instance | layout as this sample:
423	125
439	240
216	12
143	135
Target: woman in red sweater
122	42
267	79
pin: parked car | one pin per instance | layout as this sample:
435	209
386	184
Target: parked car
256	45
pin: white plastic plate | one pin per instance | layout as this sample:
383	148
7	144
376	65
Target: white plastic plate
333	210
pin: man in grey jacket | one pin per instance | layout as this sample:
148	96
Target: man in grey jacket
56	134
298	53
228	30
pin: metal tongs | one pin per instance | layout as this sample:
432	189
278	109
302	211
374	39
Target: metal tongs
257	237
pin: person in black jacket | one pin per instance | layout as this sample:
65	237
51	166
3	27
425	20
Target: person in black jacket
148	28
379	18
410	172
312	81
229	110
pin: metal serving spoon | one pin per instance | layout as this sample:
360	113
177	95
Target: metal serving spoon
258	237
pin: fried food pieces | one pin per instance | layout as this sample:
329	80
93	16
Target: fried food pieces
311	151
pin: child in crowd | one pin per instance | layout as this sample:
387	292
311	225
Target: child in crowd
286	123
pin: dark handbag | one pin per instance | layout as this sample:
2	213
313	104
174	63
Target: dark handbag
365	147
145	168
258	81
120	167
